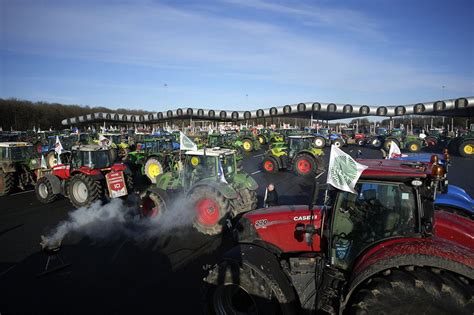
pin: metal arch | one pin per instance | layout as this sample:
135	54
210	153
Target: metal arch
327	110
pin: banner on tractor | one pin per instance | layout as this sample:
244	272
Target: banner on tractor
186	144
116	184
58	147
343	171
394	151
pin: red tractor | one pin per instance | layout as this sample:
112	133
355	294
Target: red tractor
383	250
85	175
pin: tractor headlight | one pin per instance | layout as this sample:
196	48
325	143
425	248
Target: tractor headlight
416	183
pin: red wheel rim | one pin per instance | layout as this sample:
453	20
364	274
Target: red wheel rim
149	208
268	166
207	212
304	166
430	142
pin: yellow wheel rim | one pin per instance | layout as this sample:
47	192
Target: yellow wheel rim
468	149
154	170
414	147
247	146
260	139
194	161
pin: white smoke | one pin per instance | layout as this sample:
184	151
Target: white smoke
115	219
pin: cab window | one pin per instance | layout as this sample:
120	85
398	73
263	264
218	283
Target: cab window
378	211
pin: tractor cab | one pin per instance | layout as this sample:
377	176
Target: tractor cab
398	133
217	164
16	152
92	157
299	143
348	132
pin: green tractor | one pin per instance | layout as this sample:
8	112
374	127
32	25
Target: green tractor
464	145
399	136
247	141
18	165
297	153
209	183
153	157
268	136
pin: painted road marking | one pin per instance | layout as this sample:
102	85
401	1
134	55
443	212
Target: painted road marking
256	172
22	192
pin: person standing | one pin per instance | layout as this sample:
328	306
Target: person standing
271	196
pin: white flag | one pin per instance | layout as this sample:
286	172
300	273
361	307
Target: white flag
186	144
343	171
58	147
394	151
43	162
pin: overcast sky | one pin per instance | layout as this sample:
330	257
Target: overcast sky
235	54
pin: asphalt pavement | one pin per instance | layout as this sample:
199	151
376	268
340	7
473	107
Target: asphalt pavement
158	273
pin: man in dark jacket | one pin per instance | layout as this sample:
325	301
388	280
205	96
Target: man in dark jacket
271	197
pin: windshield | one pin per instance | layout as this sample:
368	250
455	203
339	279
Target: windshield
228	166
348	132
93	159
381	131
200	167
16	153
299	144
324	131
378	211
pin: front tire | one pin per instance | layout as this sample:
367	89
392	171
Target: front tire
338	143
152	169
44	191
413	146
466	148
83	190
7	183
247	145
413	290
319	142
261	139
270	165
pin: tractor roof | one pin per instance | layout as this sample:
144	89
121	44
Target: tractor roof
395	169
89	147
14	144
301	137
211	152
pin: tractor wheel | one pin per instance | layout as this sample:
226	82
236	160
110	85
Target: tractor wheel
152	169
210	209
388	142
270	165
319	142
44	191
248	201
305	165
248	288
153	203
413	290
247	145
466	148
7	183
413	146
51	159
338	143
360	142
376	143
83	190
261	139
431	141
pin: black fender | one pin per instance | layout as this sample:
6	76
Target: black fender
260	259
404	260
55	183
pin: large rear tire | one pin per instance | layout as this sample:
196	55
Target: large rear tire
270	165
247	145
7	183
83	190
466	148
210	209
247	201
44	191
152	169
305	165
414	290
246	288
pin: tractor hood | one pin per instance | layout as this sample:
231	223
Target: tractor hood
281	228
